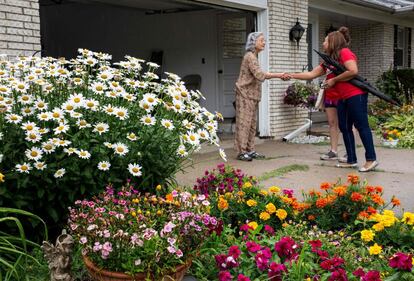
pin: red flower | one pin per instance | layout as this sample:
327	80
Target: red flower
225	276
401	261
261	261
276	271
241	277
269	229
338	275
372	275
252	247
359	272
286	248
234	251
315	244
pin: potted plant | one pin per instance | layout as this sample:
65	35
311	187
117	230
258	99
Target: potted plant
390	137
127	235
301	95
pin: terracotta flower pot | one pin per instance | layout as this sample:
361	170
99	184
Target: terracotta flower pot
99	274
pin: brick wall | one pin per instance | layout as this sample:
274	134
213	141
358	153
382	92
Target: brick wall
19	27
285	57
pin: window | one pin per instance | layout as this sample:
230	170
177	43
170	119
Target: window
402	47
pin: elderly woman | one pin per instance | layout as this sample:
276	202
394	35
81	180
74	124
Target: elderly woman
248	95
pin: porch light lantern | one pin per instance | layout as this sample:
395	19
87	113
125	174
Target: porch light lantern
296	32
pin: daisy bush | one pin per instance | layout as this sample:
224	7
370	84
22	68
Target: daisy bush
67	128
127	231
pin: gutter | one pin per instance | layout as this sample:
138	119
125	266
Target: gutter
404	10
396	11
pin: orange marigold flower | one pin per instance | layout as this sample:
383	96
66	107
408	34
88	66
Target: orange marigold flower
371	210
169	197
395	201
377	199
325	185
378	189
331	198
311	217
222	204
363	215
370	189
353	179
340	190
356	196
321	202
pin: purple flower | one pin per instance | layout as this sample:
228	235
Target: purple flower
225	276
401	261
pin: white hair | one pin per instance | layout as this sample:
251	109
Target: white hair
251	41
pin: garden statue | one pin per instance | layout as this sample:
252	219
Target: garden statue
59	257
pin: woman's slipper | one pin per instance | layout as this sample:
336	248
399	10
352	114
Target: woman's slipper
346	165
369	168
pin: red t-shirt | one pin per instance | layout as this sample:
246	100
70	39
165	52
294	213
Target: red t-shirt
331	94
345	89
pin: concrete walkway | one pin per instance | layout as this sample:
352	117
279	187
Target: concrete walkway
395	172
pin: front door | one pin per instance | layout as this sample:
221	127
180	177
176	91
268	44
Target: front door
232	30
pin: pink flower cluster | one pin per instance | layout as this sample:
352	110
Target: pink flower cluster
401	261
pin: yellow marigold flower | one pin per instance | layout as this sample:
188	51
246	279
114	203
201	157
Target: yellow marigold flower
1	177
241	193
263	192
159	212
251	203
247	184
270	208
135	200
264	216
274	189
375	250
222	204
281	214
133	214
228	194
378	226
285	224
253	224
408	218
286	199
158	187
367	235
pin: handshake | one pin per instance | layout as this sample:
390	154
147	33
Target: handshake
285	76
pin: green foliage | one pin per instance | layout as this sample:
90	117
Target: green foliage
403	122
301	95
15	248
398	84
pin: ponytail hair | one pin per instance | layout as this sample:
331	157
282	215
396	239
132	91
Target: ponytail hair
338	40
345	32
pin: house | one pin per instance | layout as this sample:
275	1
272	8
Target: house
205	38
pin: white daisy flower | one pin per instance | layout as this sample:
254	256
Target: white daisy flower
40	105
83	124
178	106
120	148
59	173
77	81
77	99
104	165
98	87
153	64
193	138
57	114
4	90
142	84
76	115
121	113
91	104
83	154
48	88
48	147
109	109
20	86
131	83
27	111
146	106
25	99
132	137
71	150
61	129
114	84
108	144
101	128
135	169
167	124
203	134
129	97
33	137
150	98
90	61
23	168
29	127
38	72
188	125
40	165
148	120
34	153
181	151
112	94
105	76
223	154
13	118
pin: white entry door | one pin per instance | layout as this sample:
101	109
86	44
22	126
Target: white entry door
233	31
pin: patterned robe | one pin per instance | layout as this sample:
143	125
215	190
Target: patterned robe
248	95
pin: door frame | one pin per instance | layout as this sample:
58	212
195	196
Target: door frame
261	8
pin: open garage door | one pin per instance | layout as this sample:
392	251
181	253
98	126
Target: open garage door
184	37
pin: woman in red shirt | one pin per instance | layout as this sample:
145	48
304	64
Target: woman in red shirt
353	101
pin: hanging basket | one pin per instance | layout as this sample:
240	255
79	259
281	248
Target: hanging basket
99	274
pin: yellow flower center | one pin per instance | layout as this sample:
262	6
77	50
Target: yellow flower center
99	88
24	168
150	100
56	115
120	149
135	170
20	86
34	153
192	137
77	100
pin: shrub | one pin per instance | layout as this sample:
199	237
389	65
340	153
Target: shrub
67	128
398	84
